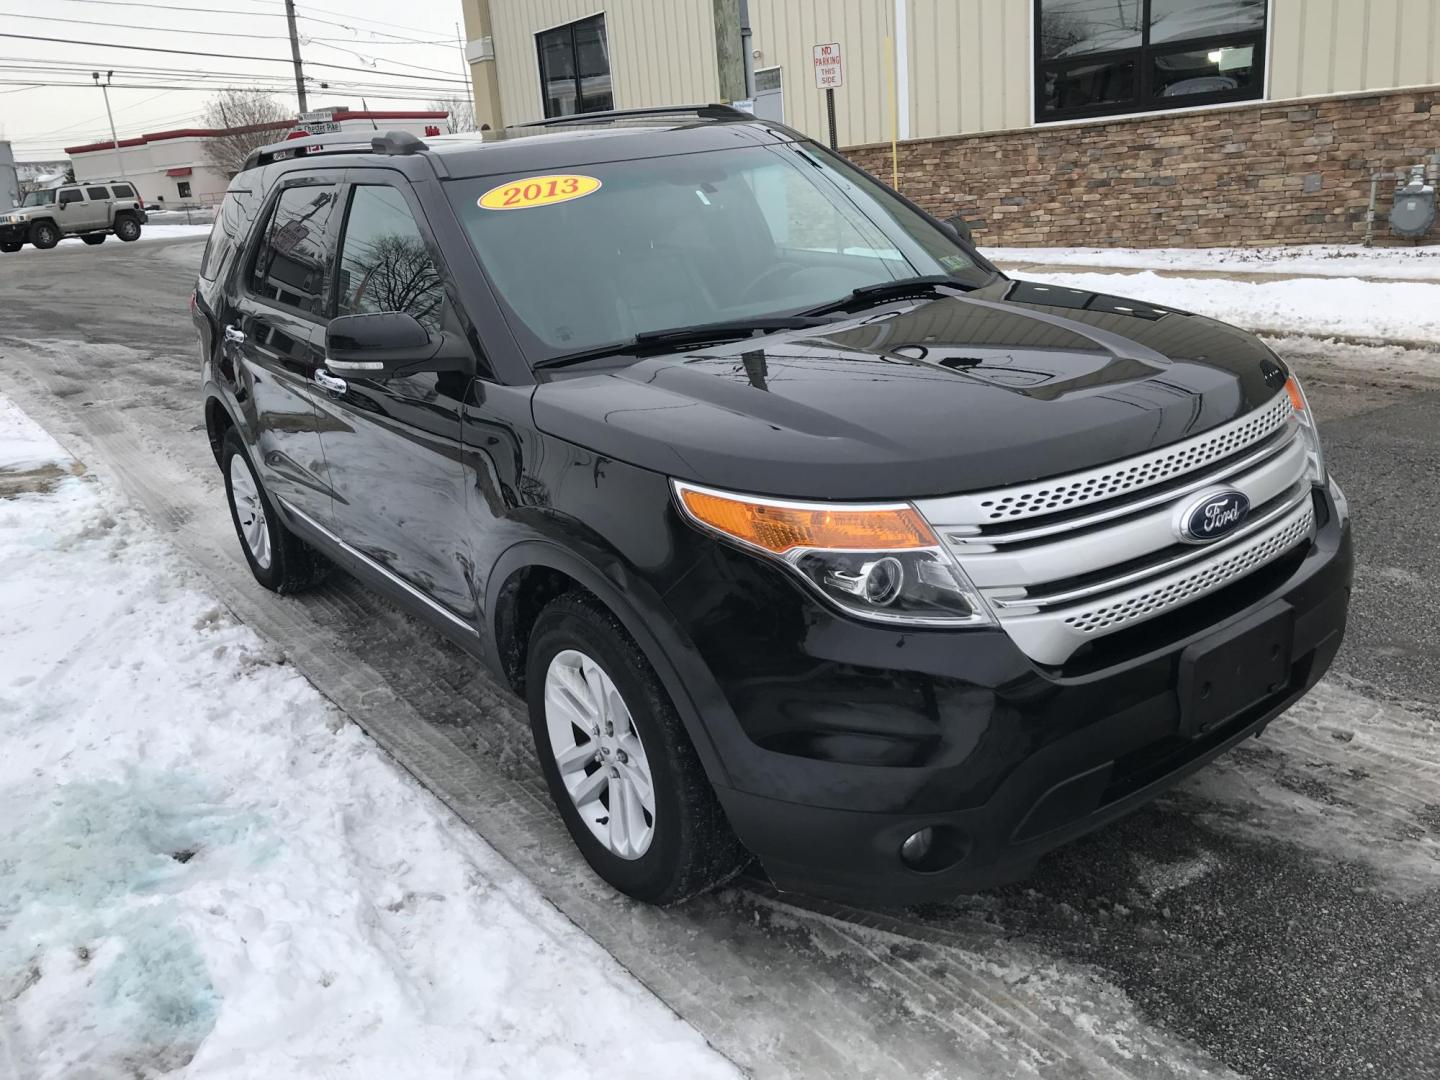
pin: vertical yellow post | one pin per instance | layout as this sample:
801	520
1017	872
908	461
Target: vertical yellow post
894	113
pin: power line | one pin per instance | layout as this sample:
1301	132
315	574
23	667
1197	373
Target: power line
383	93
223	56
149	29
269	14
204	81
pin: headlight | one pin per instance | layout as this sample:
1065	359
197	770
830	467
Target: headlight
878	561
1308	428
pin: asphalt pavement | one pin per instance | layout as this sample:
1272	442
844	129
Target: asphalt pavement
1278	915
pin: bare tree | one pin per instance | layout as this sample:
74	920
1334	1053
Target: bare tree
251	118
393	273
461	110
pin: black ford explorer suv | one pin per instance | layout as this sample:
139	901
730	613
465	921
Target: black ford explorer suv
804	532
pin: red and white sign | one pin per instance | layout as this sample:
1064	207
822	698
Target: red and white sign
829	72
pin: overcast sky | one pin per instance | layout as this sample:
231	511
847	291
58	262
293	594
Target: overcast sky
41	116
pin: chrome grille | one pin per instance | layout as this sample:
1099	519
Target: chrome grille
1088	554
1166	593
1156	467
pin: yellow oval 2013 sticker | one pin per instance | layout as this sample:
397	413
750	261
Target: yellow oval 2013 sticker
538	191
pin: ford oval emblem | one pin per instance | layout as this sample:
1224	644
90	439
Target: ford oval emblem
1213	515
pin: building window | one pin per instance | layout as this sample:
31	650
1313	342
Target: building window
182	188
1102	57
575	68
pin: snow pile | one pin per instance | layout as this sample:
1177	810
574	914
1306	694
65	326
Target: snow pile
1313	307
203	864
25	446
1308	260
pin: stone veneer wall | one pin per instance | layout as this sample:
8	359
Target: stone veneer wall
1261	173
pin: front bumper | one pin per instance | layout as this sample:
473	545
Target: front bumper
857	735
14	232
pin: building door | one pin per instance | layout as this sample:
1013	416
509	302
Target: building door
769	97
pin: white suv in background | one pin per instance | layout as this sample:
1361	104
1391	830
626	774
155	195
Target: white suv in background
91	211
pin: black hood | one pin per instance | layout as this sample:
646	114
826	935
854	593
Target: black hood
1014	382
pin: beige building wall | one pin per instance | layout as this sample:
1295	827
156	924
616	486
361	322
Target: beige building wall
965	65
968	64
1336	46
662	52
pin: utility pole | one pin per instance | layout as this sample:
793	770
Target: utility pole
295	55
114	139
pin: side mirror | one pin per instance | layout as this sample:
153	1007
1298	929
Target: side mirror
389	343
960	227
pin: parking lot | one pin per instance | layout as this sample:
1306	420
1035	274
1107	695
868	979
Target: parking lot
1277	915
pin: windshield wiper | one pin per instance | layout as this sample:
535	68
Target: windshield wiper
899	289
700	334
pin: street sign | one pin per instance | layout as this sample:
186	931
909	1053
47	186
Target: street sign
322	127
829	72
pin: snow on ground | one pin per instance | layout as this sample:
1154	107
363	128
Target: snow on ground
1314	307
202	862
25	446
1312	260
147	232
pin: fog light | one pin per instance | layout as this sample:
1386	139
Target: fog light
917	845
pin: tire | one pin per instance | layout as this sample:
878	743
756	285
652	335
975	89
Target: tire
279	559
44	235
127	227
94	238
9	249
681	847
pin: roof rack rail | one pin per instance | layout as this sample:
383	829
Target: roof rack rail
705	112
392	143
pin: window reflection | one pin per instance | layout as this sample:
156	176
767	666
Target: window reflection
1103	57
290	265
384	263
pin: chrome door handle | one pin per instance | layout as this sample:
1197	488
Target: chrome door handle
235	334
330	382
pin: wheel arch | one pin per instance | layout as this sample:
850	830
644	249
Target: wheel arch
529	574
218	421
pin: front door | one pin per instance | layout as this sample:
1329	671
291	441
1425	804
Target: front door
392	446
70	210
274	334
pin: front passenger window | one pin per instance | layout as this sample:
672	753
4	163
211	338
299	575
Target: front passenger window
384	263
68	196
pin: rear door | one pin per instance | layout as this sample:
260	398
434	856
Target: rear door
97	206
392	446
273	332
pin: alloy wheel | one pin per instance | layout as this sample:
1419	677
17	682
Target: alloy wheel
599	754
250	511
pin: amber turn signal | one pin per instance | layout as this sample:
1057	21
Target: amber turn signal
780	527
1297	396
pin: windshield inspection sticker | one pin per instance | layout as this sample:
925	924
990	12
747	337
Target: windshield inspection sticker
538	191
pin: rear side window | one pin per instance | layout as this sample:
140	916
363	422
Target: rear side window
123	191
227	235
293	261
99	194
384	263
69	195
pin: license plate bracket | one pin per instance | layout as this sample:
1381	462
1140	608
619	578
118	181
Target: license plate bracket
1221	676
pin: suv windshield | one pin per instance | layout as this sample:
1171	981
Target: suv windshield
39	198
717	236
